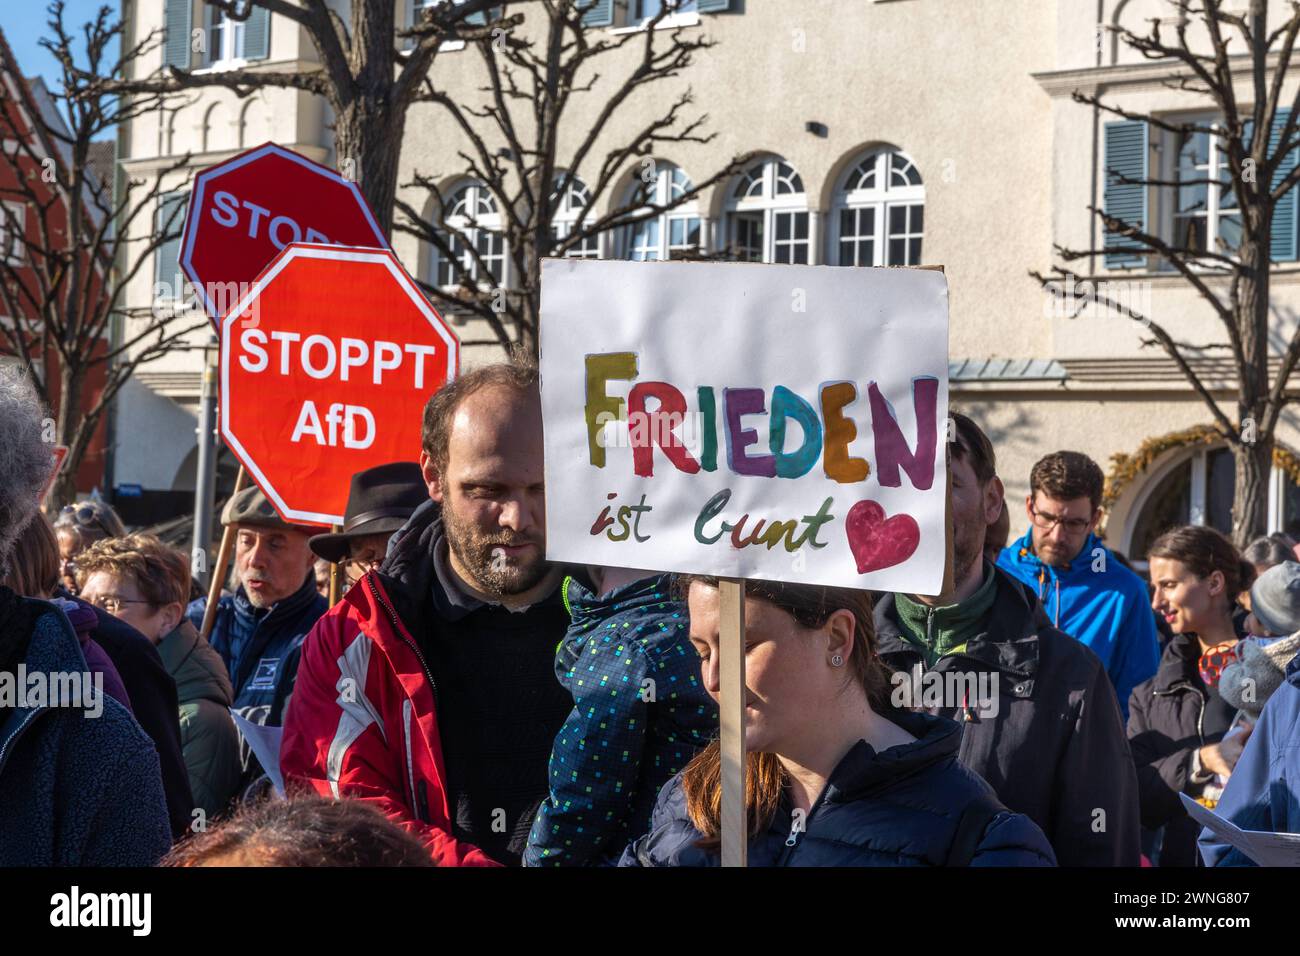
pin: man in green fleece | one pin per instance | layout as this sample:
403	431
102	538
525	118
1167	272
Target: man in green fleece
1040	720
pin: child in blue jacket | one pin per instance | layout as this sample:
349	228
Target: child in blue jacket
640	714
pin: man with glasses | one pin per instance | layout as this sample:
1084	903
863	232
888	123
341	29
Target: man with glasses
380	500
1085	589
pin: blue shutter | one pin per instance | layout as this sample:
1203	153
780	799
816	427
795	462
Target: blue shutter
601	13
1282	241
257	34
176	42
713	6
169	221
1126	155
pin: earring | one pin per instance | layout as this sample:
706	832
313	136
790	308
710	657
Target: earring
836	660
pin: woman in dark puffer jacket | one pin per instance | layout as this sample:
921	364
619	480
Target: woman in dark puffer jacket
835	775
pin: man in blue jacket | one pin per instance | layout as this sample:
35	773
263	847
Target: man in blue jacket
259	630
1263	792
1085	589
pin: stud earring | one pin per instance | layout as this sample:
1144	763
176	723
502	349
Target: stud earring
836	660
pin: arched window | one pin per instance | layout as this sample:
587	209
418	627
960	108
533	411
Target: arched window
767	215
566	215
879	217
470	209
668	235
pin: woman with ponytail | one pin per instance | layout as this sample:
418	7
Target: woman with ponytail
1178	720
835	774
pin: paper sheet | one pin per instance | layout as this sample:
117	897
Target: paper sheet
1266	849
265	744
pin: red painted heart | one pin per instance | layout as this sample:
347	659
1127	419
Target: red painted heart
876	542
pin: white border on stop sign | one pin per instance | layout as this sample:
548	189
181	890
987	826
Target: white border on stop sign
304	250
192	211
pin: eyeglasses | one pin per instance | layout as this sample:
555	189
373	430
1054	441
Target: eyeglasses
112	603
1048	521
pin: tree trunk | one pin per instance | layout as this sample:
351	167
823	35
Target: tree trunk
1250	496
66	428
368	146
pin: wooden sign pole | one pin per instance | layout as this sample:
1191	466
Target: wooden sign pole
219	568
336	572
731	680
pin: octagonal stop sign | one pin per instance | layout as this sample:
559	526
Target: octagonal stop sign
326	365
245	210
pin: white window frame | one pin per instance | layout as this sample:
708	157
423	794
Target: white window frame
472	227
1167	196
12	245
878	198
669	183
634	20
770	204
412	6
231	34
565	216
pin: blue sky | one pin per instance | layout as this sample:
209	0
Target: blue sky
23	22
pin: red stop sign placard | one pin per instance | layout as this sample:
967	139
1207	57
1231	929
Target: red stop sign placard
326	366
244	211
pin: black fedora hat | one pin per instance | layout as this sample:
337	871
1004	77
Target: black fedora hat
379	502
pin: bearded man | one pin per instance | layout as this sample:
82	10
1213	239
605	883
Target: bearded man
430	689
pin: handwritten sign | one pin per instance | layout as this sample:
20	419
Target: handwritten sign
765	421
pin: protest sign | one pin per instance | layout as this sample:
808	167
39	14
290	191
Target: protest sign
779	422
326	366
244	211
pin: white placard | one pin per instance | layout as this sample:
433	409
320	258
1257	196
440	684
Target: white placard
662	386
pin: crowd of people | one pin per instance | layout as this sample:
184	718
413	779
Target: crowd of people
468	703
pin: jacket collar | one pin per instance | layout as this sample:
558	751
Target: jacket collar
1179	666
288	608
1023	552
1008	645
864	769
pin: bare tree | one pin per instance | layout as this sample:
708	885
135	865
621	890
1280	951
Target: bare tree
369	72
1240	66
69	261
513	146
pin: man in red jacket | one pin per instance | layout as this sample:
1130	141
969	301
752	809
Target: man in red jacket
430	690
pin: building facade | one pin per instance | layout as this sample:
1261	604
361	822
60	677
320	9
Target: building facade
894	132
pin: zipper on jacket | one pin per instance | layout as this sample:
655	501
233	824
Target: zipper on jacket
792	841
22	729
398	630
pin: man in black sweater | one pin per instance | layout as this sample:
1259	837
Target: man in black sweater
448	650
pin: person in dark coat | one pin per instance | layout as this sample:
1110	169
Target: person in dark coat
259	629
1177	719
835	774
79	780
1040	719
640	715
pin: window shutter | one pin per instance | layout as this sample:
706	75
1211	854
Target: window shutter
1282	242
1126	155
601	14
170	219
713	6
176	43
257	34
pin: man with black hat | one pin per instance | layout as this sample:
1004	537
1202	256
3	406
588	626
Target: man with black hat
258	630
379	502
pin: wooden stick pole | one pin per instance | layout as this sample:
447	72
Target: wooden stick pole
336	573
219	568
731	680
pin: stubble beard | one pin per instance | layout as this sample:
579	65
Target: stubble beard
494	573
